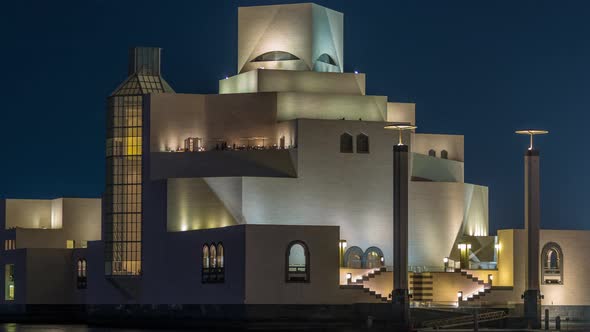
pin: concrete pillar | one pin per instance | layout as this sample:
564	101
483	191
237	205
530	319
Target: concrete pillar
532	199
400	232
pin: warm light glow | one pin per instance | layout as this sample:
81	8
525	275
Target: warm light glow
468	246
356	71
348	276
460	295
497	246
491	277
445	260
343	244
531	133
400	128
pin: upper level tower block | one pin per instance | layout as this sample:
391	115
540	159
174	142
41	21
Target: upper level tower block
291	37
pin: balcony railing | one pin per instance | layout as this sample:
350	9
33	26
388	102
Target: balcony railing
213	275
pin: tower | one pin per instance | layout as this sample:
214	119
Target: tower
290	37
122	207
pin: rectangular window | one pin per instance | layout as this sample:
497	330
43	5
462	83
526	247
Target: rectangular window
9	282
9	244
70	244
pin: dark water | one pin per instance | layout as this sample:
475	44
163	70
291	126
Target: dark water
62	328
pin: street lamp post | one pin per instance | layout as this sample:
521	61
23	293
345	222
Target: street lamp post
400	298
532	213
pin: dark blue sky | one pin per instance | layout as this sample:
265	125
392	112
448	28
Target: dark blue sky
477	68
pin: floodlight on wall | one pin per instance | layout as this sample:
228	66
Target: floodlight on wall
531	133
400	128
460	295
497	246
446	260
356	71
490	278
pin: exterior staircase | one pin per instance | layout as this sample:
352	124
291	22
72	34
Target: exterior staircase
487	288
359	284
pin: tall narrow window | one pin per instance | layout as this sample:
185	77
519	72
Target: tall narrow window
212	256
552	264
362	143
346	143
444	154
220	255
81	275
297	262
9	291
205	267
431	153
220	272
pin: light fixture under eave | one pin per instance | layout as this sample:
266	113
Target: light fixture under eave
400	128
531	133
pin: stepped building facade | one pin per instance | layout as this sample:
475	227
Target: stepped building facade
276	190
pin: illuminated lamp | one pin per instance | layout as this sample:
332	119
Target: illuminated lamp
348	277
531	133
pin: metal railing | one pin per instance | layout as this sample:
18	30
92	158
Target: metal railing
465	320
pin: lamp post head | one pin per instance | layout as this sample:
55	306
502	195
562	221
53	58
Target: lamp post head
531	133
400	128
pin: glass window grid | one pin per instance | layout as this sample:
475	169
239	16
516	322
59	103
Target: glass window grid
123	211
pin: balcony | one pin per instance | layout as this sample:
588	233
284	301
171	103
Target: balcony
225	161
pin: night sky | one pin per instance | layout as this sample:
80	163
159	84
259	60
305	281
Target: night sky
478	68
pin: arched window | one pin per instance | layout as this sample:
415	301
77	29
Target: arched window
431	153
212	256
297	262
346	143
552	264
205	257
362	143
220	255
353	258
275	56
326	58
373	258
444	154
81	281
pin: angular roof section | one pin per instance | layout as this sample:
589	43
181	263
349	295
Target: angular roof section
137	84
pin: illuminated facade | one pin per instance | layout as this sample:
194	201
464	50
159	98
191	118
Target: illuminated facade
275	191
